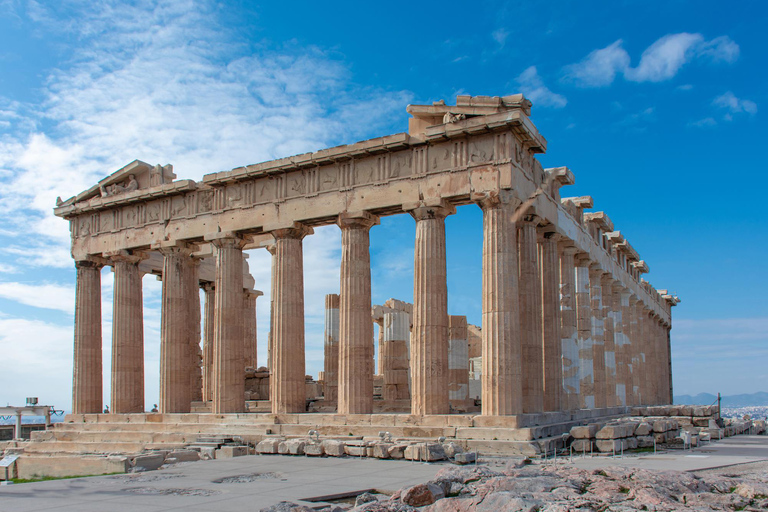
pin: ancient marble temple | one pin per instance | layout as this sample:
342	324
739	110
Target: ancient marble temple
568	322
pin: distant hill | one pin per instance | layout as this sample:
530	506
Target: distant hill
744	400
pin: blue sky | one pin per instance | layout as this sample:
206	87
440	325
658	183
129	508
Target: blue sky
657	107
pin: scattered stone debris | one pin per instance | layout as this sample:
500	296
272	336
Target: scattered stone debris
145	477
171	492
244	479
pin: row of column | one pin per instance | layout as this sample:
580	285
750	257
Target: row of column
186	373
550	324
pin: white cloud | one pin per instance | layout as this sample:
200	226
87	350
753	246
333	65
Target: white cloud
659	62
532	86
500	36
47	296
734	105
664	58
599	68
706	122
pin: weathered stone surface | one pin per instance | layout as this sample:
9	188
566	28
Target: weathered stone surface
268	446
611	445
465	457
451	449
381	450
397	451
582	445
227	452
182	456
644	441
334	448
314	449
584	431
643	429
427	452
291	447
148	462
418	496
286	506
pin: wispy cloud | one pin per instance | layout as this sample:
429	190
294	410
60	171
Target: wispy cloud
707	122
47	296
500	35
532	86
661	61
733	105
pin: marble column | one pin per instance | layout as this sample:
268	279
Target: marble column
609	343
87	374
397	332
530	315
208	320
331	366
250	344
380	349
287	388
620	340
568	330
228	360
598	333
656	374
127	391
429	341
175	329
550	297
194	353
584	330
634	350
458	362
668	349
640	355
355	326
270	339
502	382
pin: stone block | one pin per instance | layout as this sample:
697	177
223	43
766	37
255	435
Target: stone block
182	456
686	410
291	447
148	462
397	451
615	432
412	452
356	451
644	441
643	429
268	446
582	445
334	448
611	445
631	443
465	457
381	450
700	411
584	431
228	452
660	426
451	449
207	452
314	449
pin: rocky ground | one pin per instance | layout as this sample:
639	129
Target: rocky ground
546	488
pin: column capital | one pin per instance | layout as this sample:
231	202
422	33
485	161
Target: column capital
298	231
227	239
548	233
421	211
207	286
528	217
582	259
167	247
271	249
595	269
95	263
128	256
496	199
362	220
607	279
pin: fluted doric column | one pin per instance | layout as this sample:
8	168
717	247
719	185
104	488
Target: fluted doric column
355	326
429	341
568	329
127	391
530	315
396	327
598	333
175	329
458	362
194	366
634	351
250	327
331	365
550	305
584	330
638	331
208	334
87	374
288	367
228	359
609	343
655	373
270	340
502	382
623	372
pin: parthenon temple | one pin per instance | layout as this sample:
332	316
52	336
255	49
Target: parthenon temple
568	322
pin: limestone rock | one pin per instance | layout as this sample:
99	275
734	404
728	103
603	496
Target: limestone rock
333	448
465	457
584	431
314	449
227	452
643	429
451	449
148	462
268	446
381	450
286	506
366	497
397	451
418	496
291	447
182	456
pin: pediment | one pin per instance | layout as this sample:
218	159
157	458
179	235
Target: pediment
137	175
